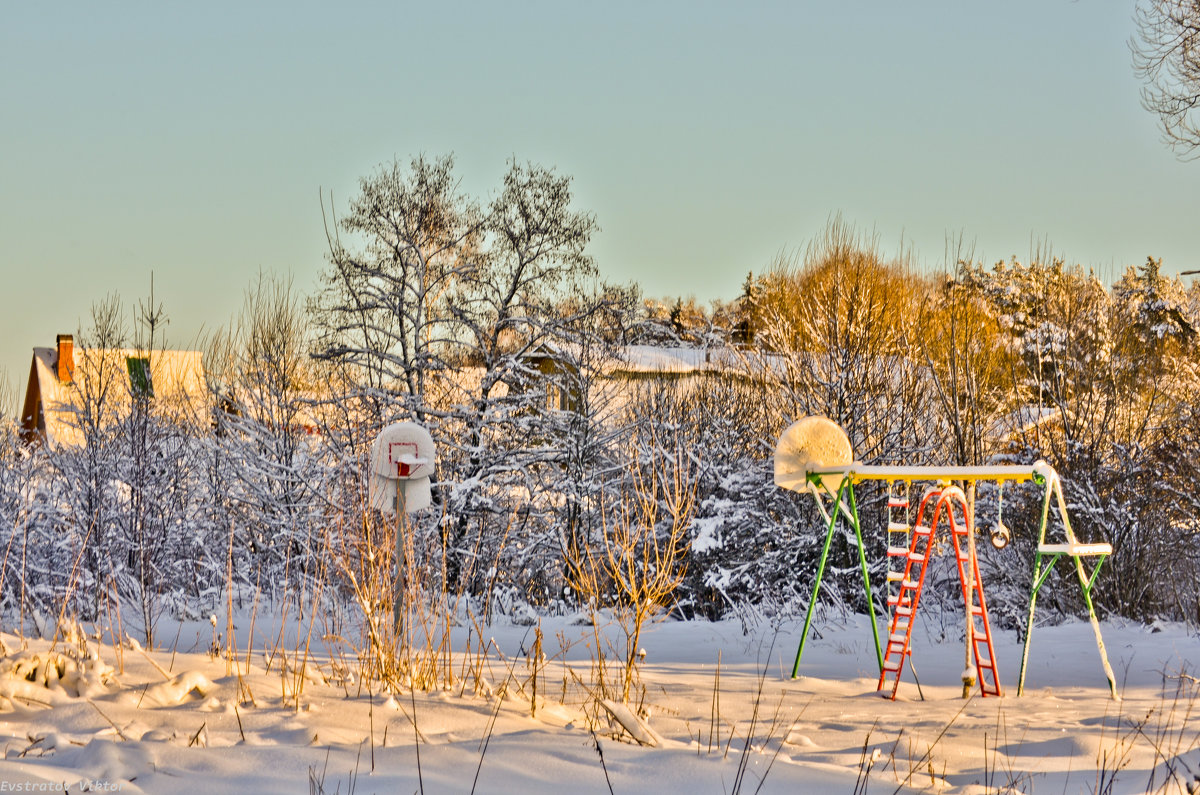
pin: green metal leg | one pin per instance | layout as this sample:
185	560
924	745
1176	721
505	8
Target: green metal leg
1086	586
812	602
1038	579
862	560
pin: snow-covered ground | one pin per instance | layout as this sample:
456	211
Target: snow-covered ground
177	720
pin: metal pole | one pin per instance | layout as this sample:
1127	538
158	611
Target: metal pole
1087	598
862	560
1033	590
968	680
812	602
399	589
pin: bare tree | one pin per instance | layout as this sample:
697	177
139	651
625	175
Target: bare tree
961	343
836	332
1166	55
87	474
384	307
440	309
506	310
641	557
268	466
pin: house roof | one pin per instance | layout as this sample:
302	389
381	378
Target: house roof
651	359
660	359
102	378
1023	420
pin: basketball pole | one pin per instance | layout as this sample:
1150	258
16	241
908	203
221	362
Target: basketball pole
401	559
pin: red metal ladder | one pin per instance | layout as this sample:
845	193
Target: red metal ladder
972	589
897	538
904	604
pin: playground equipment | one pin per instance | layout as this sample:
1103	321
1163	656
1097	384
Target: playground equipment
814	455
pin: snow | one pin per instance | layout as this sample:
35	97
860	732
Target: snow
668	359
175	720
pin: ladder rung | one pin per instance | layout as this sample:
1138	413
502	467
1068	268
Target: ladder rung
897	551
899	637
915	558
903	611
901	627
888	665
898	527
897	502
910	584
895	576
922	530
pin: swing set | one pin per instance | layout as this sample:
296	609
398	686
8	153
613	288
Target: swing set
814	456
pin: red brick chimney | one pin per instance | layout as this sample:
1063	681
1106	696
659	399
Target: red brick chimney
66	358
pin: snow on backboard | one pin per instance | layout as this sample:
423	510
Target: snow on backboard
402	463
809	443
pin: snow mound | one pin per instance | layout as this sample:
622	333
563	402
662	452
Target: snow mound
51	677
115	764
637	728
177	690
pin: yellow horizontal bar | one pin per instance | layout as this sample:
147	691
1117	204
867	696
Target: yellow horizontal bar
861	472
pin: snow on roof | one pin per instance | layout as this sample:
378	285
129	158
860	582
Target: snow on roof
102	376
661	359
655	359
1022	420
668	360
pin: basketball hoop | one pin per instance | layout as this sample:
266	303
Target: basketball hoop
401	467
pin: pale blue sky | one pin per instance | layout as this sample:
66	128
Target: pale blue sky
192	139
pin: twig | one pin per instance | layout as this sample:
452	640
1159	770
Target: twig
175	645
929	751
714	715
865	761
774	756
157	667
371	724
31	700
604	767
120	733
417	738
487	738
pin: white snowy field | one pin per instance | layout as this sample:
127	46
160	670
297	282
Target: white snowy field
177	721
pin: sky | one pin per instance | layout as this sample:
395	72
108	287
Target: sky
194	141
